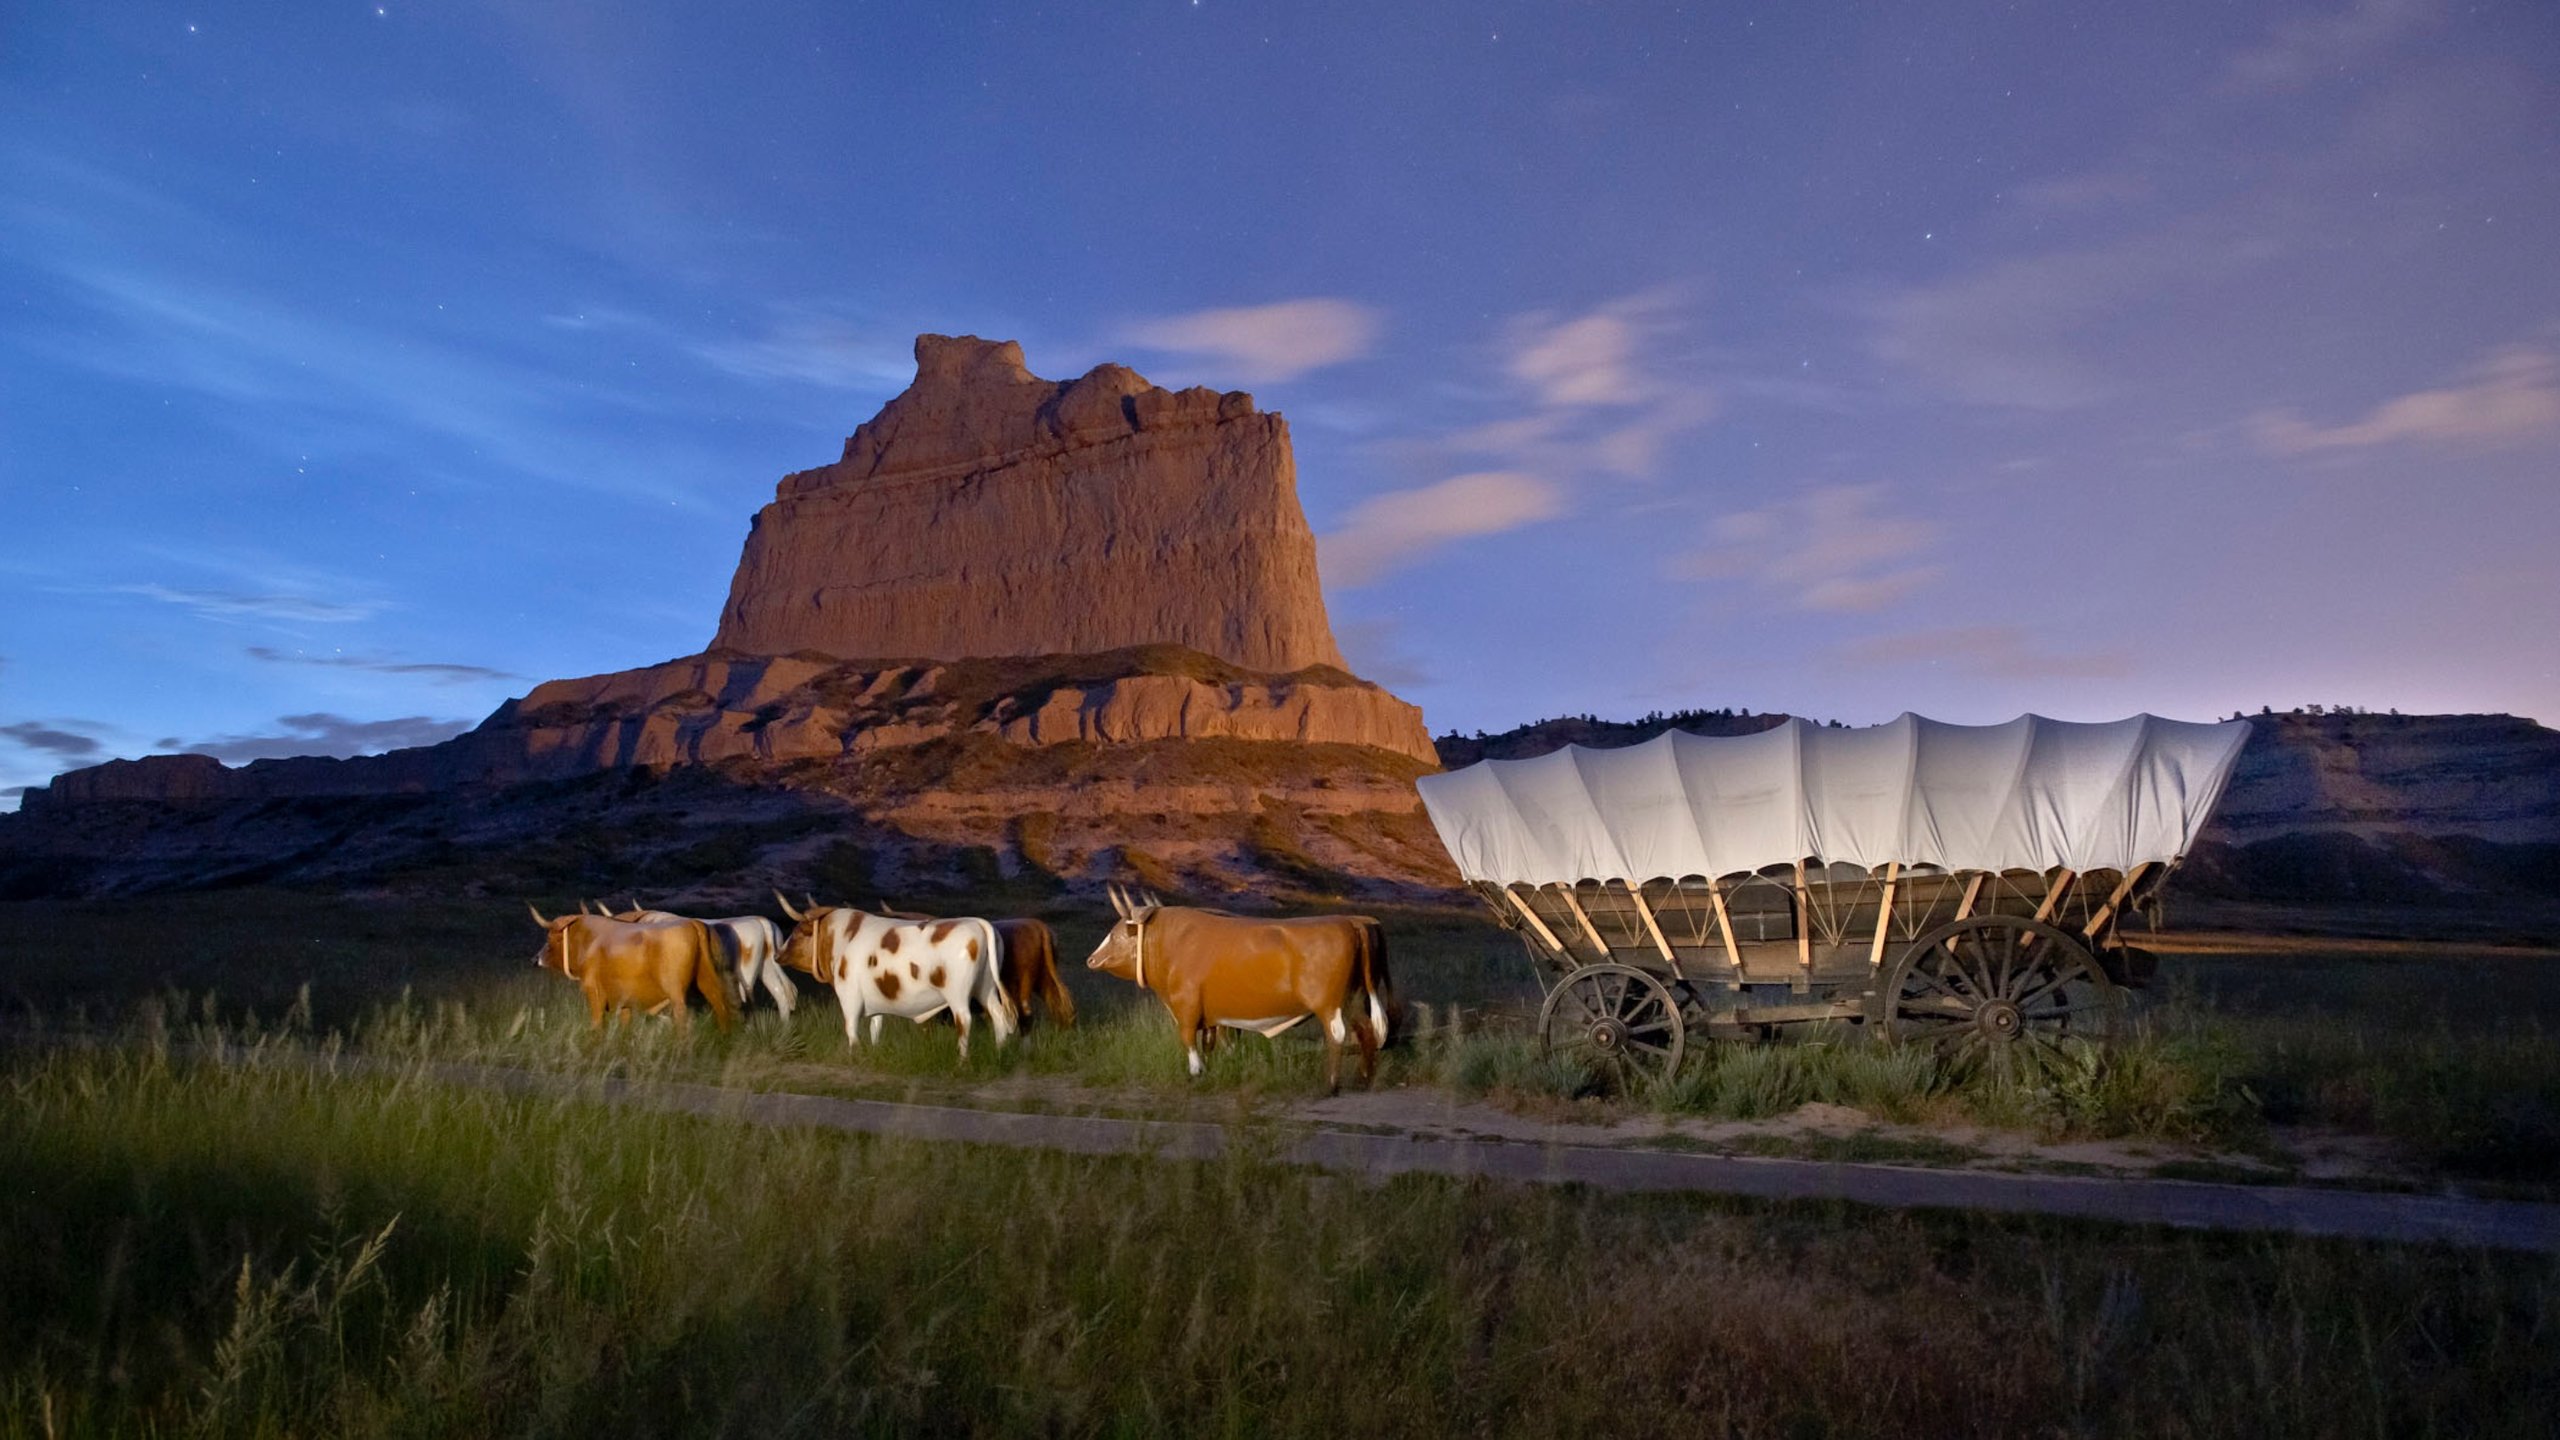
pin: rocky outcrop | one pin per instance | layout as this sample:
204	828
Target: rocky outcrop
712	709
987	511
2494	777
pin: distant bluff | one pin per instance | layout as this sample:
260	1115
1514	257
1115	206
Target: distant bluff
989	512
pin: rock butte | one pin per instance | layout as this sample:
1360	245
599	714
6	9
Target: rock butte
987	511
983	513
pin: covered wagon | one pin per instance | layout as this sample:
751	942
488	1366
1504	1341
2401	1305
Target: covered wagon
1959	886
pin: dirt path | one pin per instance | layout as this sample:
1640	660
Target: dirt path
2345	1214
1530	1152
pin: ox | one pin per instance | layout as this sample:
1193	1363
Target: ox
880	967
625	966
750	954
1028	967
1212	969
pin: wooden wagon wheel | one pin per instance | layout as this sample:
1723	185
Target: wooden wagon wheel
2000	991
1620	1023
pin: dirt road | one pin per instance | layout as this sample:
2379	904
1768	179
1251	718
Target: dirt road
2344	1214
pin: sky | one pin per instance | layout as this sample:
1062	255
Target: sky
362	365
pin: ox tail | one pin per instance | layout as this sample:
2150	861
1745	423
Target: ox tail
1031	968
729	955
1374	978
990	991
709	944
769	967
1053	987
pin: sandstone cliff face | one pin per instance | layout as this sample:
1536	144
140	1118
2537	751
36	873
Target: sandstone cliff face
710	709
987	511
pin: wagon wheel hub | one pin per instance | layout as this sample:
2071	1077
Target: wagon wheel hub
1608	1034
2000	1020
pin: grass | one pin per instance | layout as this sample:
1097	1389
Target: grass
2452	1062
242	1247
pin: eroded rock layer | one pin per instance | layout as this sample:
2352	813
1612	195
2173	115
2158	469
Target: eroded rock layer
987	511
709	709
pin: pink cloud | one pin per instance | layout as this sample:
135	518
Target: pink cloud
1395	529
2507	398
1279	341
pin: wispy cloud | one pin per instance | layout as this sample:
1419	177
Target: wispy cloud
1584	360
1591	393
1993	652
153	313
232	604
1398	528
1279	341
321	733
2304	48
1587	395
54	739
1833	548
2509	397
814	346
443	674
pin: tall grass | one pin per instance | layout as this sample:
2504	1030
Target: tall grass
2454	1062
233	1246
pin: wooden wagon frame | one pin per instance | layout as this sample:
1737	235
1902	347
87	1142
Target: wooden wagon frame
1998	965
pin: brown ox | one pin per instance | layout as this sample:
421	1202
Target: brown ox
1213	969
1028	967
623	966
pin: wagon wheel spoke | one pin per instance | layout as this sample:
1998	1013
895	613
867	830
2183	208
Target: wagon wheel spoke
1977	972
2051	1056
1982	970
1581	1003
2062	975
2061	1009
2001	961
1922	974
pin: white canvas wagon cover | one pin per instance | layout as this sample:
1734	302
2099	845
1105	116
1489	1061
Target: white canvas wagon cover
2033	794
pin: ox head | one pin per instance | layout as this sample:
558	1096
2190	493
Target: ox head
554	954
1123	948
810	946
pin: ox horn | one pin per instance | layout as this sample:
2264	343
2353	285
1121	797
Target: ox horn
537	915
1119	907
1152	902
779	899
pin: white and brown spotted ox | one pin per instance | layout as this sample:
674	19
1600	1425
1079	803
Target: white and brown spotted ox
750	954
625	965
1212	969
881	966
1028	968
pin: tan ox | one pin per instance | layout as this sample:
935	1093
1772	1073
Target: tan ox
750	953
624	966
1212	969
